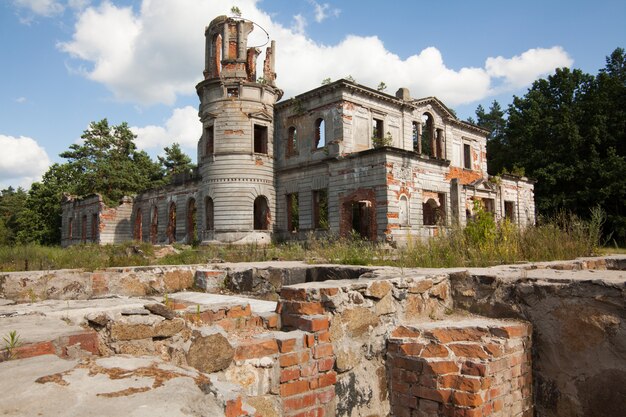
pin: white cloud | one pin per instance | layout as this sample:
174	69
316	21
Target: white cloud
22	161
322	11
183	127
21	100
299	24
44	8
523	69
156	53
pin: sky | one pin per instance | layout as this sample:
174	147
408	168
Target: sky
66	63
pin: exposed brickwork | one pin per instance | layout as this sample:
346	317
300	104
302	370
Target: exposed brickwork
458	369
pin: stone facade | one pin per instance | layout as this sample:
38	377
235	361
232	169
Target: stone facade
342	158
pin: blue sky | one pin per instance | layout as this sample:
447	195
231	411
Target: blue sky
68	62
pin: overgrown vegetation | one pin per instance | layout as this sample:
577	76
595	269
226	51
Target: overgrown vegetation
481	243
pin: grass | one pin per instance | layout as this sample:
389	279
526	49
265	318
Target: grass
482	243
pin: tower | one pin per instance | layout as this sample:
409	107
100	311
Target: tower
236	152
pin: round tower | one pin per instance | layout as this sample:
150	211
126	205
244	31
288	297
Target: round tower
236	152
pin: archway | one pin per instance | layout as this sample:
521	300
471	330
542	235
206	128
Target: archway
171	224
191	220
138	229
154	225
262	215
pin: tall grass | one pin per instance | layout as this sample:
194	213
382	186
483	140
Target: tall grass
481	243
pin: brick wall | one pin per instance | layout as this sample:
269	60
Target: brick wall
462	368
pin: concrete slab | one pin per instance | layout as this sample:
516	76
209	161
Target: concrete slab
256	306
120	386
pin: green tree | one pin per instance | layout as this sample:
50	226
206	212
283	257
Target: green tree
495	122
175	161
110	164
12	203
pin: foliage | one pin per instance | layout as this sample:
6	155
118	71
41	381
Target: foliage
175	161
381	86
326	81
379	142
235	11
568	132
350	78
12	204
11	343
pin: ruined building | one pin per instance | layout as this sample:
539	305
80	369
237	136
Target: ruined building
341	158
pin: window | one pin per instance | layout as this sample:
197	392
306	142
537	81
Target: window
292	141
191	221
293	212
403	211
509	210
171	224
489	205
232	92
428	135
260	139
154	225
467	156
320	133
416	137
83	228
209	136
209	214
434	210
377	128
320	209
137	231
94	227
262	215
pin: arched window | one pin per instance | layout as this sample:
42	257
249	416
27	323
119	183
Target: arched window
262	215
320	133
191	220
403	211
292	141
428	135
430	212
154	225
417	146
208	214
171	224
138	229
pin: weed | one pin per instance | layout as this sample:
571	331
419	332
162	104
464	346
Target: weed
11	343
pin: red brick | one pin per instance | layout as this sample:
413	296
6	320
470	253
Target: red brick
293	388
270	321
403	331
34	349
472	368
256	348
234	408
309	369
330	378
299	402
297	294
404	400
329	292
326	396
461	382
306	323
440	367
323	337
434	350
468	350
411	349
88	342
509	332
439	395
286	345
322	350
459	335
238	311
309	340
294	358
466	399
325	364
302	307
289	374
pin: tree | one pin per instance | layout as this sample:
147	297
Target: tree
495	122
175	161
108	163
12	203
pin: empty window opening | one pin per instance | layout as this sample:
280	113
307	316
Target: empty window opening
232	92
154	225
320	133
209	214
191	221
428	135
171	224
434	211
320	209
509	210
416	137
403	211
293	212
467	156
216	49
260	139
262	215
489	205
70	227
377	129
210	140
83	228
94	227
137	226
361	218
439	143
292	141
